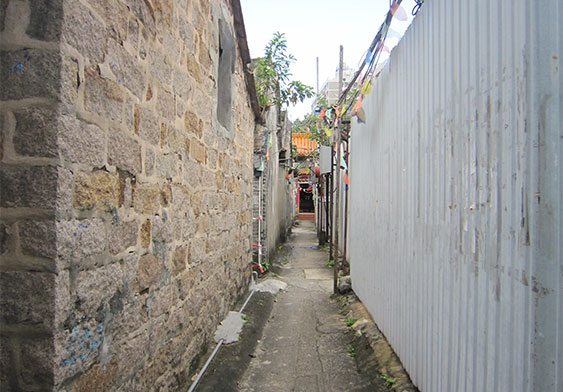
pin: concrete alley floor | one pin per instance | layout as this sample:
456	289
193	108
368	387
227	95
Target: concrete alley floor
296	340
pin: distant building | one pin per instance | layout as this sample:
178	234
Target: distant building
329	90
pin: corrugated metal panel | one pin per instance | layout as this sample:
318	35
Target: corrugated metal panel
456	187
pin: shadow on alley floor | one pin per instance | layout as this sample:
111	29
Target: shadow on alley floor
298	339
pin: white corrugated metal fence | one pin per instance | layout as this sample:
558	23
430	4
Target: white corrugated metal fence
455	197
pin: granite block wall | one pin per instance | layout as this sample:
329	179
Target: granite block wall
125	205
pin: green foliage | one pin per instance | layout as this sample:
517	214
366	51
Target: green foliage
321	101
272	76
350	321
388	380
351	351
312	126
330	263
266	266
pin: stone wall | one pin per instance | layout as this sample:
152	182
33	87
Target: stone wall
125	205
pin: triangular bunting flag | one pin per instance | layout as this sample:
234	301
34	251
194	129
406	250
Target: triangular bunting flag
401	14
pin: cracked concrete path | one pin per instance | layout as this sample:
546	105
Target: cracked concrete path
305	344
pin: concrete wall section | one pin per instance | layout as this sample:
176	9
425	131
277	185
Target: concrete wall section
125	204
456	187
277	212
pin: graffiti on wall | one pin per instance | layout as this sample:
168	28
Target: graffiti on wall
79	345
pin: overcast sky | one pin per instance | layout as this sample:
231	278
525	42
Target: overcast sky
316	28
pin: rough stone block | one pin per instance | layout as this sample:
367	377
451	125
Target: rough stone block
45	19
181	85
64	193
69	80
159	68
202	103
144	14
146	199
131	354
83	31
81	142
96	287
115	15
179	258
98	189
80	241
165	105
124	152
98	378
36	132
30	73
193	123
36	356
197	151
8	379
3	7
176	140
194	68
212	158
27	298
149	162
145	233
33	187
162	302
126	68
165	197
204	57
102	96
149	270
166	166
4	238
149	126
186	31
122	236
133	34
38	238
162	230
198	247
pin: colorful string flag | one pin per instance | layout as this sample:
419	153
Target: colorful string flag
322	114
361	115
343	164
385	49
393	7
369	57
399	12
270	140
359	111
343	110
366	88
358	104
346	179
393	34
328	132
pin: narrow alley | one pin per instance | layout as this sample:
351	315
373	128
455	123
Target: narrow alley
306	344
272	196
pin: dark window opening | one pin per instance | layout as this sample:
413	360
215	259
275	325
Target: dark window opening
283	159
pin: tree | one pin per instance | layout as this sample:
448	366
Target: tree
272	76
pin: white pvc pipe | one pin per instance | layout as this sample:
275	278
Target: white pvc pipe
204	368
